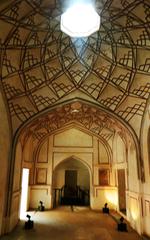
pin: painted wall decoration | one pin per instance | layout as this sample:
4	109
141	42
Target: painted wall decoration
41	175
104	177
79	114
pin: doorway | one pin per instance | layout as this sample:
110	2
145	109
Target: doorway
71	183
70	190
122	190
24	192
71	178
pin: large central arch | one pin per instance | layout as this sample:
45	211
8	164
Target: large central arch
89	119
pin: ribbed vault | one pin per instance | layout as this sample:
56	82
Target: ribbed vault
41	66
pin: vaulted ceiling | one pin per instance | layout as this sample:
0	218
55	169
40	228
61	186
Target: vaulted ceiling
42	67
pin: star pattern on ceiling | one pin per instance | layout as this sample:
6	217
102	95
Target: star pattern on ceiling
41	66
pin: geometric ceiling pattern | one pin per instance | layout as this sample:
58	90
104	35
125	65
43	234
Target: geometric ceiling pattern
42	66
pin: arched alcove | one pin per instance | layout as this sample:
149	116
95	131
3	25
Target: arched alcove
87	135
71	178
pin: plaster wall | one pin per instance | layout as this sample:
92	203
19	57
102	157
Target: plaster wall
134	183
146	214
40	193
145	150
103	155
68	145
16	190
17	168
58	152
15	207
134	191
28	150
103	195
5	142
124	157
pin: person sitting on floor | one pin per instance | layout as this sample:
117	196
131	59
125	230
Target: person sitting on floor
105	208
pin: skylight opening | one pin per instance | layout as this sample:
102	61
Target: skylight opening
80	20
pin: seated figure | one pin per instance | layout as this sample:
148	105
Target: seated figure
105	208
41	207
122	227
29	223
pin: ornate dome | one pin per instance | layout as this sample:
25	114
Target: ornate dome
41	66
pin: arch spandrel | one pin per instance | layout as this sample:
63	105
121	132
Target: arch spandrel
78	113
84	116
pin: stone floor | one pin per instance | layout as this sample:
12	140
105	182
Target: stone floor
65	224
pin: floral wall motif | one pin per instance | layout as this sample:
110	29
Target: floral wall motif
81	114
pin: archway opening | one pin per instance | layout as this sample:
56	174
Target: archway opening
99	150
24	192
71	183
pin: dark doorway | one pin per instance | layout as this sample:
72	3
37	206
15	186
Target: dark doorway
122	190
76	184
70	190
71	178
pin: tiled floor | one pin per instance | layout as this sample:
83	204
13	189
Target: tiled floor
65	224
